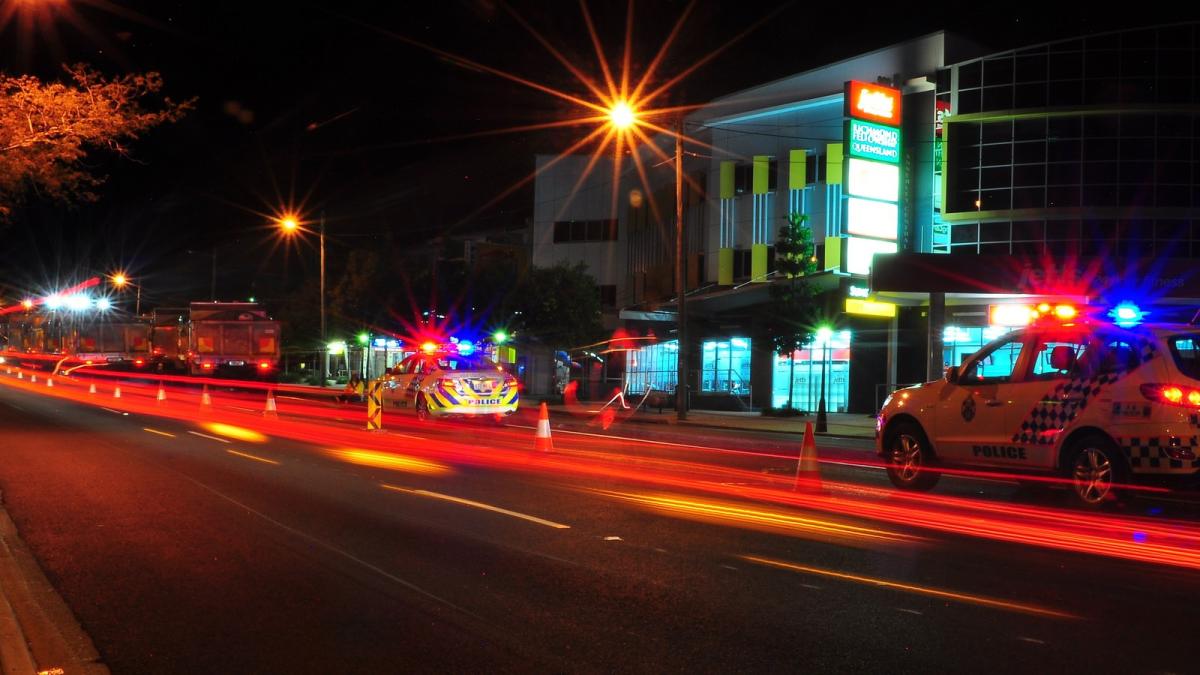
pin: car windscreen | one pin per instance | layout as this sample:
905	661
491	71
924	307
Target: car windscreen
1185	349
460	362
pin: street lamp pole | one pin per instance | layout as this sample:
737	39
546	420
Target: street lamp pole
822	419
681	387
324	346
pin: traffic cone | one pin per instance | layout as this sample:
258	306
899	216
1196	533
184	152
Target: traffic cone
92	388
808	471
33	377
162	394
117	391
542	441
50	382
270	411
205	399
20	375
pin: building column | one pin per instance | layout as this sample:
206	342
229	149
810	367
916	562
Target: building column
728	233
937	330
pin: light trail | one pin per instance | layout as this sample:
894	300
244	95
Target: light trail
912	588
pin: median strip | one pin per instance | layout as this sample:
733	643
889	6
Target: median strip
477	505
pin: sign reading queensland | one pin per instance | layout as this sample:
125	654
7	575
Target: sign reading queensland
873	141
873	102
874	147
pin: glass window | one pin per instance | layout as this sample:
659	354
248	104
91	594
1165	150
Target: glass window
652	367
805	370
1046	366
460	362
725	366
1185	349
995	364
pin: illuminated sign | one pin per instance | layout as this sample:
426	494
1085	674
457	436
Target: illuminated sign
860	251
859	292
873	102
873	141
880	220
869	308
1010	315
873	179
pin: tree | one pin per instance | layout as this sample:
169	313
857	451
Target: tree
47	129
558	305
790	324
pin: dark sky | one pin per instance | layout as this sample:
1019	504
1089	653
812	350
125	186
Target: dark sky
324	105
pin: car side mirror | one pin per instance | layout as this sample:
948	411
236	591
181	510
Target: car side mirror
952	374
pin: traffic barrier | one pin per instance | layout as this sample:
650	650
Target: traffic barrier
92	388
542	441
162	394
205	399
808	470
375	405
271	411
117	391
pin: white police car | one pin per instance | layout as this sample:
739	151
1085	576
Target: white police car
451	380
1102	404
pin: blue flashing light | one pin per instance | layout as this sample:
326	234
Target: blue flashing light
1127	314
466	347
380	342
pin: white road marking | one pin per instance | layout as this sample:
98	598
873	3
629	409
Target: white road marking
211	438
115	412
613	539
14	405
730	567
813	587
256	458
156	431
1029	639
910	611
478	505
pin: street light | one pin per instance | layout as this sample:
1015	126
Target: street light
290	224
120	281
824	334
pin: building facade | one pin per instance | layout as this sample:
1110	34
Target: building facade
1050	162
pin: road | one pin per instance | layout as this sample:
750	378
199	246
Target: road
184	546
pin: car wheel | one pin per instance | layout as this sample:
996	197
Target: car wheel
1096	468
421	407
908	458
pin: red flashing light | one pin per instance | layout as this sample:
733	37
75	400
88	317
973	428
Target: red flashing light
428	347
1065	312
1171	394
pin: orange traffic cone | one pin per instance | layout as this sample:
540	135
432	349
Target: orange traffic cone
542	441
808	472
205	399
50	382
92	388
162	393
117	391
33	377
20	375
270	411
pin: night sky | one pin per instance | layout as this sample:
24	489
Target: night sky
325	106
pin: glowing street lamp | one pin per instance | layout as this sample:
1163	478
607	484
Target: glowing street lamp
824	334
290	225
621	115
120	280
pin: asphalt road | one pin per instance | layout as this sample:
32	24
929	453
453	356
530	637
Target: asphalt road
184	550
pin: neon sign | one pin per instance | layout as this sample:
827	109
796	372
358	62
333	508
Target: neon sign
873	102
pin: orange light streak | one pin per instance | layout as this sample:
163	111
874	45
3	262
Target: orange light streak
388	460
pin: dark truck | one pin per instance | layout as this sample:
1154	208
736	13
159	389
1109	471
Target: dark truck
236	339
121	345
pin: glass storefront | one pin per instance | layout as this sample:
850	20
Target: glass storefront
834	356
725	366
653	366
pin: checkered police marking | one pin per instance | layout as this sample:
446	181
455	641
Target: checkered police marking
1150	453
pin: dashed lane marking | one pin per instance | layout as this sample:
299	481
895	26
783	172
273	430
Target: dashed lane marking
115	412
478	505
156	431
1035	641
256	458
211	438
910	611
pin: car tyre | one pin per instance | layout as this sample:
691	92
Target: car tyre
908	458
1095	468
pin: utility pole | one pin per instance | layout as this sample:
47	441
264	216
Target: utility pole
213	289
324	340
681	388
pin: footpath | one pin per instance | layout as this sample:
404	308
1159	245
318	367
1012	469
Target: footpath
838	424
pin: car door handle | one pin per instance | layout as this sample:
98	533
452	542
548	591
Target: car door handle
993	403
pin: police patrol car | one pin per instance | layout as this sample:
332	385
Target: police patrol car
454	379
1100	403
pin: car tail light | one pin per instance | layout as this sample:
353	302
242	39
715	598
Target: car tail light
206	366
264	365
139	362
1172	394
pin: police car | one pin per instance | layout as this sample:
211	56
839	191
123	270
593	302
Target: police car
450	380
1101	403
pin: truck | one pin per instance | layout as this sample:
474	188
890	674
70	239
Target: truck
230	338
